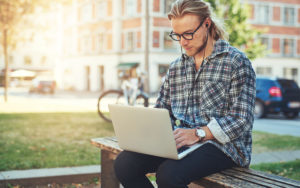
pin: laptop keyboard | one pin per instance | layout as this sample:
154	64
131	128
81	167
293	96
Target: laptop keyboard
182	149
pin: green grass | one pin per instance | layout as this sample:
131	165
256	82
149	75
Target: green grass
46	140
263	142
286	169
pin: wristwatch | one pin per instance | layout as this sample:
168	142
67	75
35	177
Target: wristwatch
200	133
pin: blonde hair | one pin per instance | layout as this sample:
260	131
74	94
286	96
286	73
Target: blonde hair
203	9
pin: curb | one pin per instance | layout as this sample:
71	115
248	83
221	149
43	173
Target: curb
49	175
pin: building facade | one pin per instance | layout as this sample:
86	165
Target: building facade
101	35
280	22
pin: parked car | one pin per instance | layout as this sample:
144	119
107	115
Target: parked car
43	86
275	95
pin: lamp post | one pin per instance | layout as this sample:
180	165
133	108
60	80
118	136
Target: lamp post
147	87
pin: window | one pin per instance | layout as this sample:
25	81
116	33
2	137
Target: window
100	42
43	60
130	41
101	9
264	71
168	4
288	47
290	73
27	60
86	44
168	42
68	17
265	42
86	12
289	16
130	7
67	44
262	14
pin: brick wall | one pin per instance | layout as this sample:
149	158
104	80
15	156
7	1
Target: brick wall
139	39
109	41
139	6
123	41
155	39
132	23
276	45
298	49
156	6
276	13
283	30
251	11
94	39
109	8
161	22
298	15
123	7
280	1
93	10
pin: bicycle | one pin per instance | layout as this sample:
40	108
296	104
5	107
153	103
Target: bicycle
129	94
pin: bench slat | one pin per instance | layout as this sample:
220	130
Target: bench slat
107	143
235	177
272	177
252	178
222	180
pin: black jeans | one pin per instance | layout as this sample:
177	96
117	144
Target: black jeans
131	168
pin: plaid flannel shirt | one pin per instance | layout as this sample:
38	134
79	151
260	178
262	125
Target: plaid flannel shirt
220	95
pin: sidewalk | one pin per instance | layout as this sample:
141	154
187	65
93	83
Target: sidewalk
277	156
62	101
84	173
45	176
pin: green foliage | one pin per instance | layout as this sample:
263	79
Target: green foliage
286	169
241	34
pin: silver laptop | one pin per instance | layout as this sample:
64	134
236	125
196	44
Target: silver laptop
146	130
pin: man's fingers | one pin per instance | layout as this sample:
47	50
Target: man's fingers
177	133
180	137
184	137
180	144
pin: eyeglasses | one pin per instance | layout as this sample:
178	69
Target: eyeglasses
186	36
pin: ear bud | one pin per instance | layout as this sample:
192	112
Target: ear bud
206	25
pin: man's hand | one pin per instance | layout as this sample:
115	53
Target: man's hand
185	137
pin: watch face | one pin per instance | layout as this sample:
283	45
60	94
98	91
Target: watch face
201	133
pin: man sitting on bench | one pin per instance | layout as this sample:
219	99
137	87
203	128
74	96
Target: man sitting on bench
210	94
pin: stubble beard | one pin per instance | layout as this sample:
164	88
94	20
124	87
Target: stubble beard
199	49
203	46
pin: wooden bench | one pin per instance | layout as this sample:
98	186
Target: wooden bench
235	177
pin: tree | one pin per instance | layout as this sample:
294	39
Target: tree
12	14
241	34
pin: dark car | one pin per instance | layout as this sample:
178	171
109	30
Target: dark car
43	86
275	95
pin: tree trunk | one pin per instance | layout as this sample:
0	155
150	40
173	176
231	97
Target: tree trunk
6	64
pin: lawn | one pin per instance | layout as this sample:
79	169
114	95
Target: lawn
287	169
46	140
43	140
264	142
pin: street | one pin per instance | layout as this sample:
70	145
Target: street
20	101
278	124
